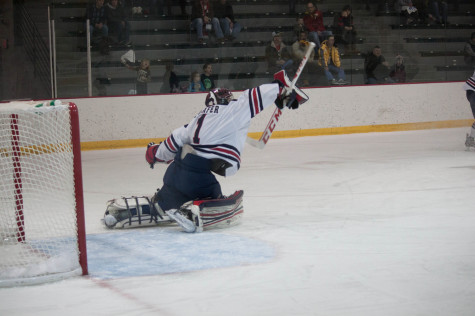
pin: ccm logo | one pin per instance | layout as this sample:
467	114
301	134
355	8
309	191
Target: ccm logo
271	126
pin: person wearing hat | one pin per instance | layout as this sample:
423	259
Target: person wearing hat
277	54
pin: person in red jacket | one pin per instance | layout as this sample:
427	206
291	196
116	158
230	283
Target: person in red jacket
313	21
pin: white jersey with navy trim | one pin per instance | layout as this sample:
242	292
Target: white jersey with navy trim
220	131
470	83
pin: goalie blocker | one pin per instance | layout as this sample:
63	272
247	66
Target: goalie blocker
289	95
193	216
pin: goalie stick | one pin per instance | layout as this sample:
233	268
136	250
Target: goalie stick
274	119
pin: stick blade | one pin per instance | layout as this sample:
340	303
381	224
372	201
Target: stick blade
255	143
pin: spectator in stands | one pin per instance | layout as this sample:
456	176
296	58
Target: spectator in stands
439	10
206	77
157	7
224	12
277	54
96	13
398	71
299	48
407	10
423	11
345	30
138	7
313	21
299	27
469	51
203	20
117	21
171	84
376	67
143	76
196	85
329	60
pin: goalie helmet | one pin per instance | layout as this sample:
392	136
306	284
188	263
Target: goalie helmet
219	96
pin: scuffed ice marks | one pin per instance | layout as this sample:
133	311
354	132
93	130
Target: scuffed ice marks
159	251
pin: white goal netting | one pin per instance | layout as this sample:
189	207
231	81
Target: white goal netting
38	222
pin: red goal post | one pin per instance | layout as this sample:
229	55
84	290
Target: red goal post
42	225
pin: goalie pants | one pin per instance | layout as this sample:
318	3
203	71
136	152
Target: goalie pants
187	179
471	99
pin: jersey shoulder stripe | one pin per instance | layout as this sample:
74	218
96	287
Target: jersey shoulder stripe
225	147
221	150
227	152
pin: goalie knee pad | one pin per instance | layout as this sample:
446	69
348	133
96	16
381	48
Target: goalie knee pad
133	212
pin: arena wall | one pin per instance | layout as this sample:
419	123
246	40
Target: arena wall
131	121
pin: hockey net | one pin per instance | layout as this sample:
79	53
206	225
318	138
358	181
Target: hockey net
42	235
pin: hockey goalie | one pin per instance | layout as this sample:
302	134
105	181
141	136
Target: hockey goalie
210	145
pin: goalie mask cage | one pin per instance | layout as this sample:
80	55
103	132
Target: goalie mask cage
42	233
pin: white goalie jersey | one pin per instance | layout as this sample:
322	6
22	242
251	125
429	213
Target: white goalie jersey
220	131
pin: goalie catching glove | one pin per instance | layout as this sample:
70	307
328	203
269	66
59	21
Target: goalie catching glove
289	96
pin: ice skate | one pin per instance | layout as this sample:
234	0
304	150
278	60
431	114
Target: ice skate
187	219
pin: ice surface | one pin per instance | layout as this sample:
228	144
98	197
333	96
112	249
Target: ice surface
152	251
363	224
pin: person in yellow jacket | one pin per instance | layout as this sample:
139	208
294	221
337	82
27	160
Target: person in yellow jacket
329	60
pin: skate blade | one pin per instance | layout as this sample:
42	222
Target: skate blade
185	223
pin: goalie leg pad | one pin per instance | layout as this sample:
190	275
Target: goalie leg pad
195	216
220	213
133	211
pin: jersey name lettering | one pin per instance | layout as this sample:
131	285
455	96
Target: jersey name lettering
211	109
